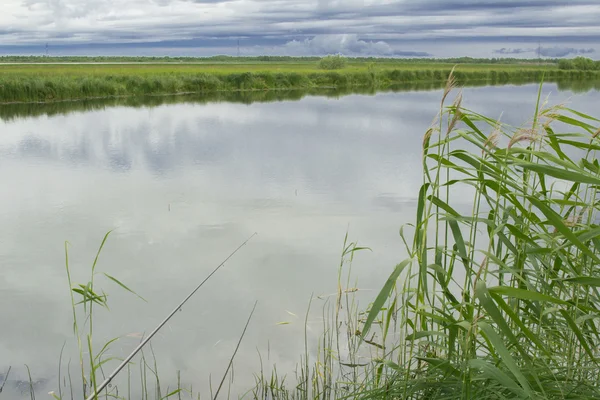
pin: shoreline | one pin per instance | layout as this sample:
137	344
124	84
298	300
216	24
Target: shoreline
55	85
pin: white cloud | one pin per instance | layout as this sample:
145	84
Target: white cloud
348	44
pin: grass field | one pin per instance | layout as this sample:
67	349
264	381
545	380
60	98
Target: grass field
52	82
238	67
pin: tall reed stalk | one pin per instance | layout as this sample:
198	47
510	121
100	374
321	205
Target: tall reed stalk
501	301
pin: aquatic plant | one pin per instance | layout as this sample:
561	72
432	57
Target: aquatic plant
498	298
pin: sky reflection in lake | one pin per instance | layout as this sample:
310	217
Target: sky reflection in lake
182	185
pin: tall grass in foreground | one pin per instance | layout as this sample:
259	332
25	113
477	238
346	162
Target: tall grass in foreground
499	296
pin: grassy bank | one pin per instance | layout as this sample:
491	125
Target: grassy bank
23	110
41	83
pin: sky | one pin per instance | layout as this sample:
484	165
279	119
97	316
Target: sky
400	28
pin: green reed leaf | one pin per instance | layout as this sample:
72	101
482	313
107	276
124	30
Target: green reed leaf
383	295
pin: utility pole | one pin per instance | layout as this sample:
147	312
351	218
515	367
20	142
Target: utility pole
238	47
539	53
46	49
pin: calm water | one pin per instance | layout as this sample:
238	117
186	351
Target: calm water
182	185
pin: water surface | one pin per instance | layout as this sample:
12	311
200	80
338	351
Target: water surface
182	184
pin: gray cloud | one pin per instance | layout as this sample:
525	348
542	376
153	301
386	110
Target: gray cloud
563	51
412	53
554	52
374	27
506	51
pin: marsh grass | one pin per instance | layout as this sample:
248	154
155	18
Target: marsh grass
335	365
499	302
21	110
44	83
502	302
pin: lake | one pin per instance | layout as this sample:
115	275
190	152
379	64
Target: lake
182	184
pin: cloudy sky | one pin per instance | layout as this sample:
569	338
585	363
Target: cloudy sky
398	28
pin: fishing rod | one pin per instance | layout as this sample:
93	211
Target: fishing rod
155	331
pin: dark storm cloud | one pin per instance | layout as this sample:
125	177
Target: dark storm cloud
356	27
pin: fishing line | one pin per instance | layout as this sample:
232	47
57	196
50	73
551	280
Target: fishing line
155	331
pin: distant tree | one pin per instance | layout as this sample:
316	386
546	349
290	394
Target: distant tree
565	64
583	63
333	62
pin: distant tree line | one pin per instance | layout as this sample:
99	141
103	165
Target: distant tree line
275	59
579	63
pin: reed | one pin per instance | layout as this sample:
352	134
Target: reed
498	298
84	299
46	83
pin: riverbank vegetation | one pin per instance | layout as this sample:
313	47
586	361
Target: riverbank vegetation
23	110
42	83
579	63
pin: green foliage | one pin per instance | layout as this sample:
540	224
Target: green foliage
332	62
498	298
579	63
566	64
44	83
526	323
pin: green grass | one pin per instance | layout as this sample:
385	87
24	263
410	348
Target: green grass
235	67
42	83
21	110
